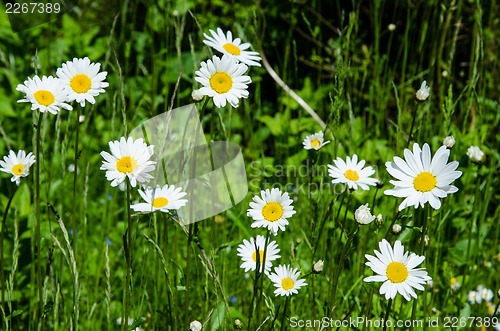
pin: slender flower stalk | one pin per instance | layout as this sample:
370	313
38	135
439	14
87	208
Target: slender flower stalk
387	312
283	319
4	219
73	215
37	215
128	255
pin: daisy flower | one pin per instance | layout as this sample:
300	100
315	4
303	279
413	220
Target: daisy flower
130	159
422	179
484	293
397	270
223	80
473	297
454	284
82	80
162	198
233	48
248	253
271	211
286	280
314	141
46	94
352	173
17	165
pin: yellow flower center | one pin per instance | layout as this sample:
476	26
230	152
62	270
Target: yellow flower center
396	272
261	256
287	284
453	281
221	82
351	175
80	83
315	143
18	169
272	211
160	202
126	164
231	49
44	97
424	182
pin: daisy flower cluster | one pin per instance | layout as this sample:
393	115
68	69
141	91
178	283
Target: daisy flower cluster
223	78
481	294
131	159
271	211
420	179
77	80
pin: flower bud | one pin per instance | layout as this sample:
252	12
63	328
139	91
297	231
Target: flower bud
197	95
423	92
475	154
318	267
362	215
449	142
238	325
396	229
195	326
379	220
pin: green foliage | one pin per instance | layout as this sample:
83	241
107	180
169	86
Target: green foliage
342	59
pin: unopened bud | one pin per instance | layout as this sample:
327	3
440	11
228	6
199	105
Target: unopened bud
238	325
195	326
318	267
396	229
197	95
449	142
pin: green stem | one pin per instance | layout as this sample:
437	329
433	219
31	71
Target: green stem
283	318
259	300
37	216
412	125
387	311
258	275
73	215
469	244
2	274
128	256
188	268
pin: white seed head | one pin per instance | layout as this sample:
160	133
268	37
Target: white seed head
391	27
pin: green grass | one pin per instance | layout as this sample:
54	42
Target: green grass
345	64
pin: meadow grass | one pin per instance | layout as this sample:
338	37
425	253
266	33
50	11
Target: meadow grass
350	69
